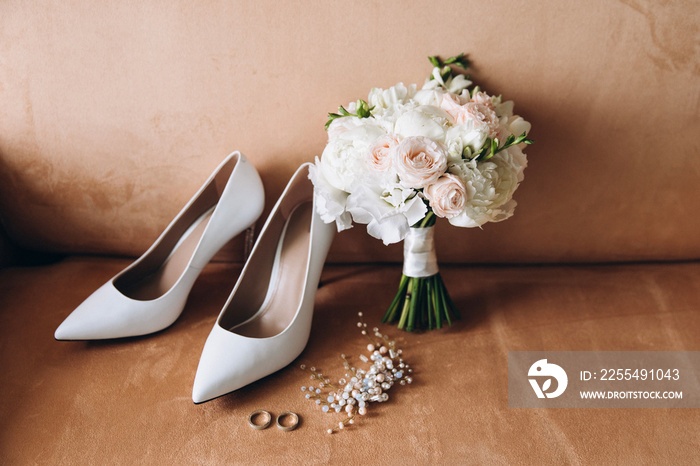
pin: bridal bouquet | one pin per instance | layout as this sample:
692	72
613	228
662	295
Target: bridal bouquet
407	156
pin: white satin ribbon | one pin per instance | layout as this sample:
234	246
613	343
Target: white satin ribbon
419	258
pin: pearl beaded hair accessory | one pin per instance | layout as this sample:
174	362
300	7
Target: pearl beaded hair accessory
360	387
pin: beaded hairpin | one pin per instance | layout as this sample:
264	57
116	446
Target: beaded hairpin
360	387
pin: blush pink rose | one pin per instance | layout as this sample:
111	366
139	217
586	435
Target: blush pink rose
484	99
479	114
452	104
419	161
381	153
447	196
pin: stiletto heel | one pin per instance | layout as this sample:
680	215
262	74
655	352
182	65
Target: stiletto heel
150	294
265	323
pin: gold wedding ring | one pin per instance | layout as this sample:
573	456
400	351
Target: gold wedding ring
266	417
292	426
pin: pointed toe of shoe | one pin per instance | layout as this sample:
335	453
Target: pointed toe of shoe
64	332
90	320
220	366
72	329
108	314
207	387
230	361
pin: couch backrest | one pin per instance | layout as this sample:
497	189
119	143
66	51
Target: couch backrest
112	115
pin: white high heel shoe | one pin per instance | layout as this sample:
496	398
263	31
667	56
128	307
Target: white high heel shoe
150	294
266	321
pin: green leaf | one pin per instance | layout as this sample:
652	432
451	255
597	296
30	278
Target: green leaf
331	117
491	147
363	111
445	67
459	60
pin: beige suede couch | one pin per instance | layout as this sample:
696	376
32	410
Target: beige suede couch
113	114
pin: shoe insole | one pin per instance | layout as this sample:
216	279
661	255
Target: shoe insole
156	284
287	280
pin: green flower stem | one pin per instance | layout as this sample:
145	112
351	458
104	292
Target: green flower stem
398	299
415	305
421	303
446	295
433	301
406	304
428	220
429	286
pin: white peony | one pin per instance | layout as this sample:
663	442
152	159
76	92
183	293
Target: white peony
330	201
341	125
427	121
460	137
490	186
382	99
429	97
343	159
